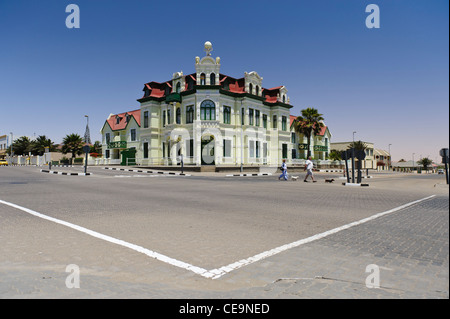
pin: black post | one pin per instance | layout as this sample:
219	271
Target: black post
344	155
182	164
86	149
353	165
85	163
446	171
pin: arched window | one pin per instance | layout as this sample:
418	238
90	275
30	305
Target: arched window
212	79
208	110
178	115
257	90
178	87
284	98
202	79
189	114
250	88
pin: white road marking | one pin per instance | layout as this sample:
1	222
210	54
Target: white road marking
110	239
244	262
218	272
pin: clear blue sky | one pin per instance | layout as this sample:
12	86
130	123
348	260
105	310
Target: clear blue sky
390	85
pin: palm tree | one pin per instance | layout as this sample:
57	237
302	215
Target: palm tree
425	162
309	123
21	146
72	143
40	143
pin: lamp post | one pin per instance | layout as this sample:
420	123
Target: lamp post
87	141
10	148
353	158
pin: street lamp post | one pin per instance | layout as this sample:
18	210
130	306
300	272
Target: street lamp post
353	158
87	141
10	148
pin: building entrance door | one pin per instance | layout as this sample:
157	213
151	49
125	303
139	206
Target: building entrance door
208	145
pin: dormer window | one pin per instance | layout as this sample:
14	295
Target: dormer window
128	118
257	90
212	79
226	85
250	88
202	79
178	87
117	119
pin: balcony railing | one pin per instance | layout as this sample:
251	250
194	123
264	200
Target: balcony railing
320	148
317	148
303	147
119	144
173	97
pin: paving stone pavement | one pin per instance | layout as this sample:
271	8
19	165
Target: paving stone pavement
411	248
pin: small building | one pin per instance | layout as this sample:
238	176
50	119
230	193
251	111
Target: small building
120	135
4	145
375	158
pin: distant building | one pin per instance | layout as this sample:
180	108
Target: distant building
375	158
4	145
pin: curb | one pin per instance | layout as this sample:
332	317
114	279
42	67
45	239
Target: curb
142	171
254	174
354	184
64	173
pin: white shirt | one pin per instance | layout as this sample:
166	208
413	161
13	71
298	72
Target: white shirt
309	164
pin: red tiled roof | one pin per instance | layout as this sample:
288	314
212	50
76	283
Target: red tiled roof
112	121
158	90
292	118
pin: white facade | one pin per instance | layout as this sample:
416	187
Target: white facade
210	118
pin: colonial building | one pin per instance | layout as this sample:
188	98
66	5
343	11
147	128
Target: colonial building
208	118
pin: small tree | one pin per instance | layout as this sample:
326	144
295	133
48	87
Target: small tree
21	146
40	143
97	147
425	162
72	143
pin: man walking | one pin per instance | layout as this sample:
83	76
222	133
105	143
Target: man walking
283	171
309	169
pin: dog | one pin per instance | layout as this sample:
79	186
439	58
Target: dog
329	180
294	178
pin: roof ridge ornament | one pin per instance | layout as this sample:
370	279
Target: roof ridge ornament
208	48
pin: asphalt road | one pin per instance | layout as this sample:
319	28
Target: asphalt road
203	225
